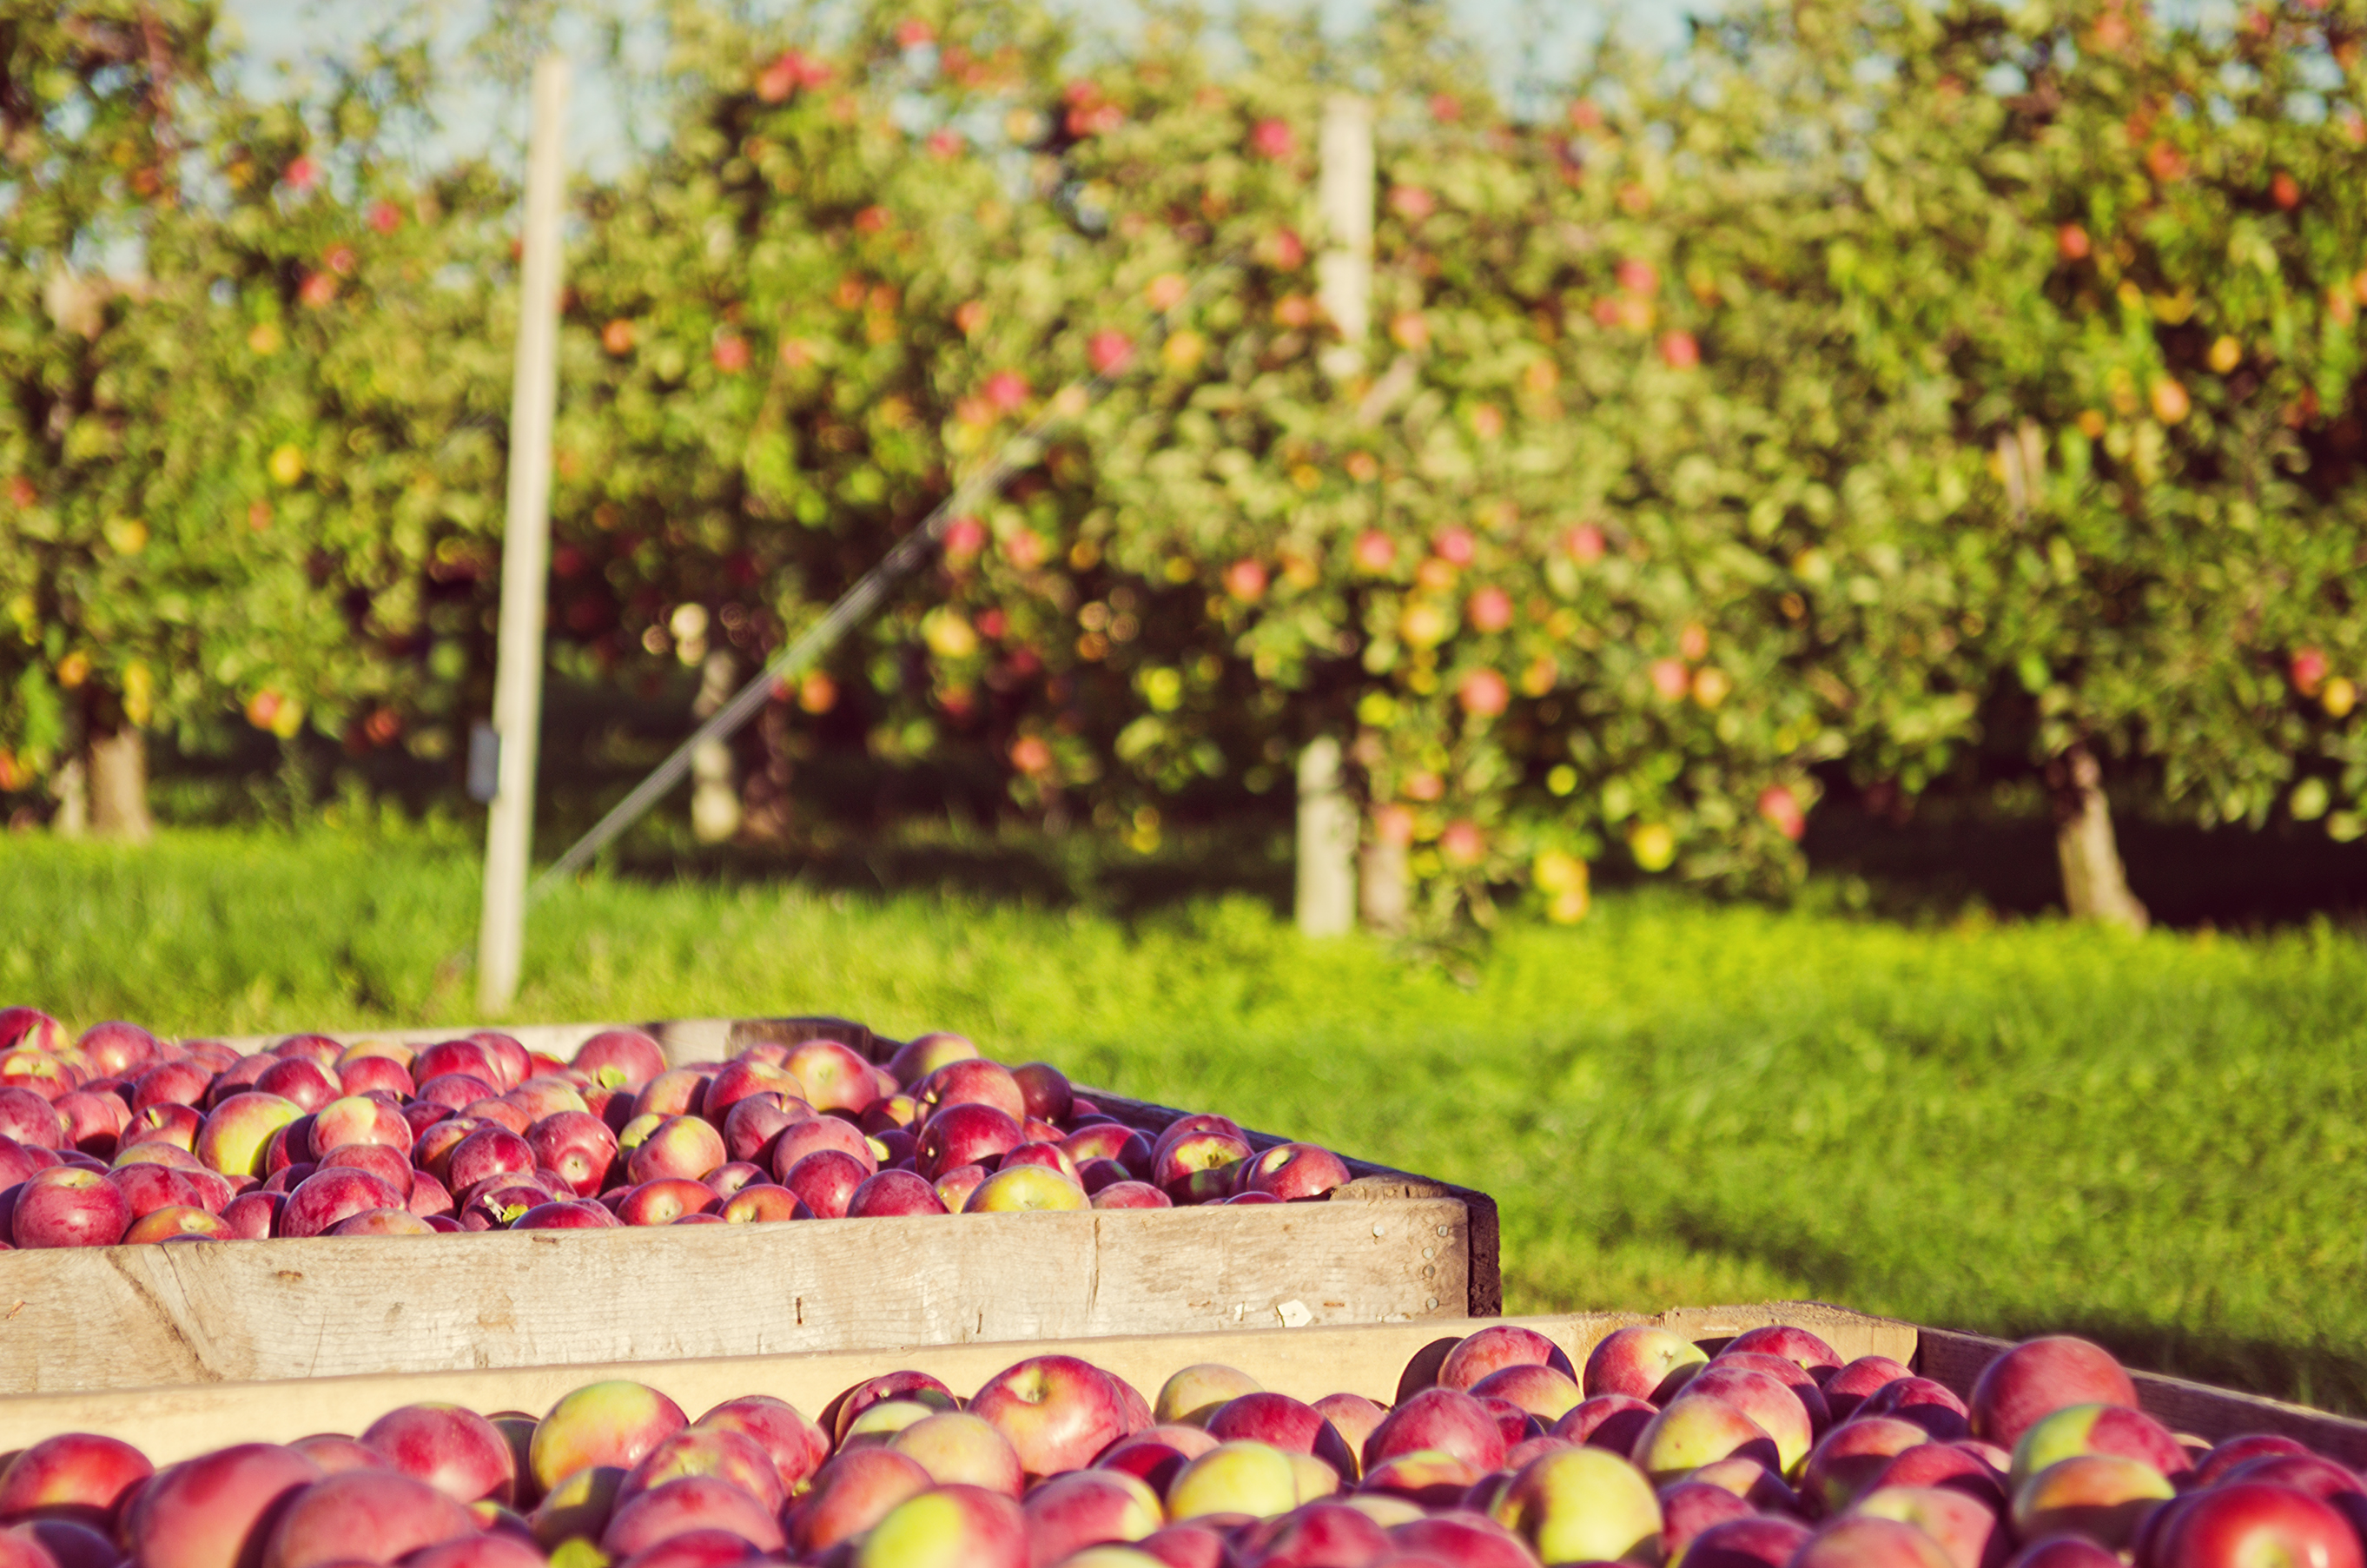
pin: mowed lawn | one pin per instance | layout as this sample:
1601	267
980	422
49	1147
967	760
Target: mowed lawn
2159	1143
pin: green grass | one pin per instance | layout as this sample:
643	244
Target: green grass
2162	1144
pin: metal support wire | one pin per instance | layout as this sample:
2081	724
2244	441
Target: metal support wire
858	603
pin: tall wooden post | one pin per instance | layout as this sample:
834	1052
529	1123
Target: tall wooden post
525	551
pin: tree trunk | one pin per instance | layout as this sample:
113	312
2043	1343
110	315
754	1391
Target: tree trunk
2095	887
714	800
1381	888
119	784
73	818
1327	844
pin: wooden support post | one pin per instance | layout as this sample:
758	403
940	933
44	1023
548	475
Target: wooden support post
526	549
1344	198
1327	844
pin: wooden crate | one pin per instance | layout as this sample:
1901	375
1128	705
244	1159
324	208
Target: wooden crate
175	1422
1387	1247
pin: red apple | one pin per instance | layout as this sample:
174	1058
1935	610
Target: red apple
566	1214
31	1118
1927	1405
1769	1402
1857	1541
972	1081
1691	1508
379	1160
1947	1465
751	1124
965	1134
1797	1345
297	1078
666	1200
2102	1496
1764	1542
487	1153
456	1451
1643	1362
1790	1373
172	1124
382	1222
2095	1429
1849	1455
1111	1140
849	1494
1057	1411
78	1476
893	1193
65	1206
714	1451
1280	1422
1198	1167
762	1203
1446	1419
1481	1355
742	1077
363	1074
621	1058
689	1503
835	1077
94	1121
1044	1090
1292	1172
817	1133
1848	1388
217	1510
119	1049
794	1445
2041	1376
252	1216
1463	1539
1542	1391
2320	1477
614	1423
329	1195
1088	1507
1131	1195
1612	1421
925	1055
456	1090
1967	1528
170	1083
825	1181
2215	1465
2064	1551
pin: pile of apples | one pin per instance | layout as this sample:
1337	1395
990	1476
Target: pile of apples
122	1137
1771	1454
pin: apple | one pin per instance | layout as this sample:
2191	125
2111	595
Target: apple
379	1160
715	1451
1748	1480
174	1220
1156	1454
893	1193
375	1515
951	1527
972	1081
493	1550
2215	1465
924	1055
1019	1188
752	1125
817	1133
613	1423
65	1543
429	1197
65	1206
835	1077
1845	1462
1690	1508
94	1122
542	1096
849	1494
579	1507
363	1074
32	1119
1198	1167
2064	1551
2095	1429
1045	1091
30	1028
456	1090
175	1125
1950	1465
954	1446
1848	1388
148	1186
1460	1537
170	1083
1581	1505
841	1414
1769	1402
677	1091
1280	1422
566	1214
501	1112
1762	1542
1057	1411
1293	1172
2250	1524
1316	1535
1797	1345
79	1477
118	1050
487	1153
252	1216
741	1078
1791	1374
1111	1140
456	1451
1927	1405
1695	1429
966	1133
215	1511
1247	1479
890	1113
1051	1156
621	1058
1643	1362
2102	1496
796	1446
825	1181
1192	1395
301	1079
237	1133
2039	1376
688	1503
1497	1346
1131	1195
450	1056
332	1194
1444	1419
2319	1476
664	1200
1967	1528
1860	1542
1612	1421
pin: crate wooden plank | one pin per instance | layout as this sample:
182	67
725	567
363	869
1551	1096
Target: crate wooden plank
1957	1360
174	1422
331	1306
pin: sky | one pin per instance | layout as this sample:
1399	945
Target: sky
278	33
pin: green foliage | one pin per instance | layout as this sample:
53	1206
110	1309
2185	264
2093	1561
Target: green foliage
2021	1129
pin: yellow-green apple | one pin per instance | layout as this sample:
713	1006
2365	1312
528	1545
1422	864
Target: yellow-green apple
963	1134
1968	1529
456	1451
1131	1195
2039	1376
1845	1462
1315	1477
1244	1478
238	1133
1858	1541
684	1504
621	1058
825	1180
1767	1400
1929	1404
386	1164
796	1446
1582	1505
1791	1374
1543	1392
761	1202
1479	1355
1088	1507
1431	1477
972	1081
835	1077
1020	1189
373	1516
1198	1167
2095	1429
1463	1539
175	1220
1282	1421
1690	1508
733	1457
817	1133
382	1222
924	1055
78	1476
612	1423
1384	1509
1292	1172
1156	1453
664	1200
2102	1496
1849	1388
1797	1345
1762	1542
951	1527
579	1507
894	1193
743	1077
1191	1396
1643	1362
1446	1419
1318	1535
2250	1524
679	1146
841	1413
301	1079
1951	1465
215	1511
576	1144
1058	1412
849	1494
955	1445
1111	1140
66	1206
